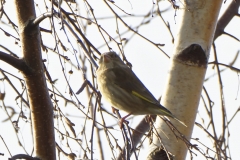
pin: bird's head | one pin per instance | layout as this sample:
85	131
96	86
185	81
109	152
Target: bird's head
110	59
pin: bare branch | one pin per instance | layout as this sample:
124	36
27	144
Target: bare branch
225	19
15	62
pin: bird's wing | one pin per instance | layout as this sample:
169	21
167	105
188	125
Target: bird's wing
127	80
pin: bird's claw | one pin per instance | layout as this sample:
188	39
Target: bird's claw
121	121
114	110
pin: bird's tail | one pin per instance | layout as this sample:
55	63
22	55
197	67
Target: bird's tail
179	121
172	116
166	112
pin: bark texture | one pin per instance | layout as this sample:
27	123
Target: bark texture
186	75
40	103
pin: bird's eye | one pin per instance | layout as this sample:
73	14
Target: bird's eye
111	55
114	55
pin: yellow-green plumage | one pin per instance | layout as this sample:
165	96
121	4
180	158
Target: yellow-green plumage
123	90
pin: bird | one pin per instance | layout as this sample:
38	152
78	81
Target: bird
120	87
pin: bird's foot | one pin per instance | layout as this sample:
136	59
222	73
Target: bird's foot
114	110
123	120
150	119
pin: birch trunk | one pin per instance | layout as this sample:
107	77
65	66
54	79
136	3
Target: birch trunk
186	74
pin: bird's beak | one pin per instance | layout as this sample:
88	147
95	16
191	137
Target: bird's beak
106	58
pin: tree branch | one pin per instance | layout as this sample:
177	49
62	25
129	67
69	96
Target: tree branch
230	12
20	156
15	62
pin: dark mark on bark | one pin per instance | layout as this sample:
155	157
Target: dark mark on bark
193	55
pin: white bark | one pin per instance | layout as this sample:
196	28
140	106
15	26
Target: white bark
187	71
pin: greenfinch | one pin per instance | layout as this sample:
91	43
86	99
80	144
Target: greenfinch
124	91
